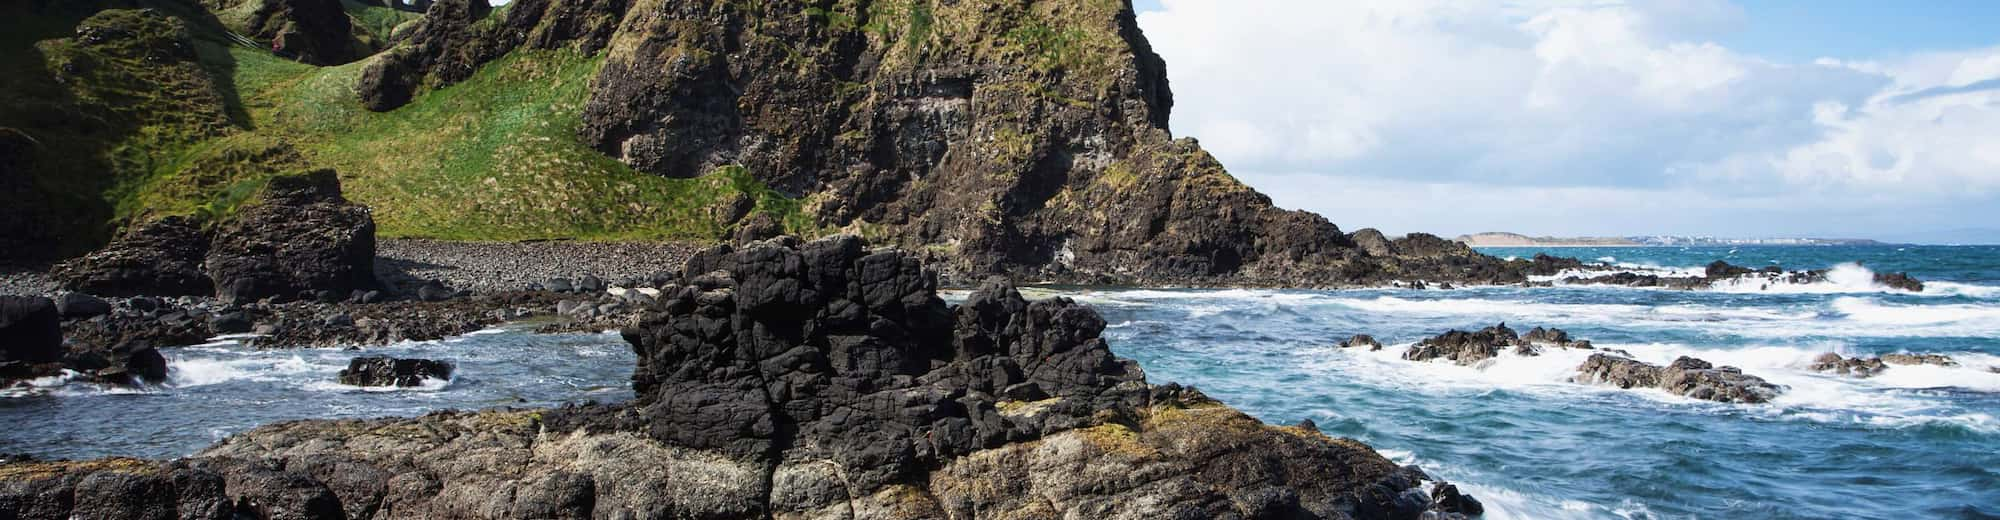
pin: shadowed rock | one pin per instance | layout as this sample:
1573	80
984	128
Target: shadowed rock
388	371
301	238
160	258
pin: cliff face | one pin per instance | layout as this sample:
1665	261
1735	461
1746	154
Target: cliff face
1020	137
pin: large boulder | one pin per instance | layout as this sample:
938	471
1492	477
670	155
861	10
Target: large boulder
388	371
30	330
158	258
1686	376
302	237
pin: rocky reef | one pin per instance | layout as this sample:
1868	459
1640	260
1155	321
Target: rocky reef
794	380
1717	272
1685	376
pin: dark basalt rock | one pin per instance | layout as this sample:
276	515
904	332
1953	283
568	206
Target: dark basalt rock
1919	359
1361	340
1686	376
1857	367
814	380
387	371
1466	348
302	237
160	258
1899	281
76	305
30	330
1545	265
312	31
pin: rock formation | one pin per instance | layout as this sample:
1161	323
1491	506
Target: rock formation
1026	138
789	380
311	31
159	258
30	333
1686	376
301	238
1869	367
388	371
1468	348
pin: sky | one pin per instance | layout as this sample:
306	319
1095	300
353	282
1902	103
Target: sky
1829	118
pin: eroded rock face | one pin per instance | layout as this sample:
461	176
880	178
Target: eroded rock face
161	258
388	371
962	123
313	31
1686	376
819	380
302	238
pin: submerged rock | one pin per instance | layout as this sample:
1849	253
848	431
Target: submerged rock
388	371
1362	340
1857	367
1686	376
302	238
816	380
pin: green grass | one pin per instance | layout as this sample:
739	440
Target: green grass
376	23
492	158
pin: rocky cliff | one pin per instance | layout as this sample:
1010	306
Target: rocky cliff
1027	138
789	380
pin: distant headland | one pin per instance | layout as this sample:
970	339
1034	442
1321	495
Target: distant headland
1503	239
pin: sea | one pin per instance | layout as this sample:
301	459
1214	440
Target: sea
1515	432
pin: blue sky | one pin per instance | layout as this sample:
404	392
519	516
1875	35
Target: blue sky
1600	117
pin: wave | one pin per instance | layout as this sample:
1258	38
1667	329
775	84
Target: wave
1900	397
1871	311
191	371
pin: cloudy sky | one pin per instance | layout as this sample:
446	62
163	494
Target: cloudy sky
1599	117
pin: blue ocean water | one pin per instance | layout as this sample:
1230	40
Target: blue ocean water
1914	442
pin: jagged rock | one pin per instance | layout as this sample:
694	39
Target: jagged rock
302	237
1446	498
76	305
312	31
1686	376
1857	367
388	371
1362	340
1467	348
793	380
1544	265
30	330
159	258
1899	281
760	227
1919	359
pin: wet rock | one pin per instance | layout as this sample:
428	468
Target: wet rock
1544	265
1465	348
302	237
159	258
1686	376
1857	367
1362	340
1919	359
1899	281
388	371
1445	498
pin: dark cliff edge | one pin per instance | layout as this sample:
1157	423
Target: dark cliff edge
1025	138
792	380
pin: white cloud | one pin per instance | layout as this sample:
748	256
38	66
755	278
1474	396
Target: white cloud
1632	99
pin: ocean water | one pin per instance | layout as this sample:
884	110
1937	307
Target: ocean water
223	388
1915	442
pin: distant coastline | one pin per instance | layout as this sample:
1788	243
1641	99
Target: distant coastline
1504	239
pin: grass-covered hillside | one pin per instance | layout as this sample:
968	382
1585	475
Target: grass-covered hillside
170	111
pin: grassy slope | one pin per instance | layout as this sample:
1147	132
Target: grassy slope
492	158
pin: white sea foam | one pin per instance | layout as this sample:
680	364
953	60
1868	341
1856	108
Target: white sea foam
198	371
425	385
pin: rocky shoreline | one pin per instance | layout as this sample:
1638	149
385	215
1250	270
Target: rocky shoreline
793	380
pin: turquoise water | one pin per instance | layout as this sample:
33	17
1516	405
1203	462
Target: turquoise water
1915	442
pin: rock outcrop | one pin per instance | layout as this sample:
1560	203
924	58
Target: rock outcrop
160	258
30	331
301	239
1468	348
790	380
311	31
388	371
1686	376
1026	138
1870	367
